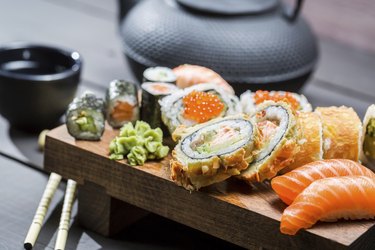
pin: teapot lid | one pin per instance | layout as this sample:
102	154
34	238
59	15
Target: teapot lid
230	7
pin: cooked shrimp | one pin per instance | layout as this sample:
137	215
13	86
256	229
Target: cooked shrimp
188	75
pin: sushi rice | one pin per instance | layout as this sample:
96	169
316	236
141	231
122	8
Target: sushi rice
159	74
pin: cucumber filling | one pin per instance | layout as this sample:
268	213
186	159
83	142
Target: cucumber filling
86	123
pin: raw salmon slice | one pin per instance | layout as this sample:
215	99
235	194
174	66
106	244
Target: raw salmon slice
347	197
291	184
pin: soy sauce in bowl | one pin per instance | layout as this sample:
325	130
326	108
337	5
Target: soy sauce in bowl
31	68
37	83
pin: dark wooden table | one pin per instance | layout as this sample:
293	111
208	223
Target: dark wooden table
345	76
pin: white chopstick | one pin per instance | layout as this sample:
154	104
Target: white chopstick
62	233
36	225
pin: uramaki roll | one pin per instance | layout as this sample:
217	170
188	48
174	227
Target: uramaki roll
276	143
342	131
309	139
212	152
197	104
250	100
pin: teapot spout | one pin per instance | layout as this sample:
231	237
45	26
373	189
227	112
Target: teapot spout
124	6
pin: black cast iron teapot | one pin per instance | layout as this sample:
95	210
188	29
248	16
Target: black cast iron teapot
253	44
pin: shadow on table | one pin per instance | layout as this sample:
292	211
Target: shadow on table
156	232
26	145
152	232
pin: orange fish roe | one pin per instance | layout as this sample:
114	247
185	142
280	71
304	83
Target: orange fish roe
264	95
202	106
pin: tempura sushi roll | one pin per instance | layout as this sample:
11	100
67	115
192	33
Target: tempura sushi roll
276	145
159	74
197	104
122	103
152	92
249	100
85	117
342	132
309	139
368	138
213	151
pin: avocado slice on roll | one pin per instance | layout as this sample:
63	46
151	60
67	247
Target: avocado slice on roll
277	143
368	138
211	152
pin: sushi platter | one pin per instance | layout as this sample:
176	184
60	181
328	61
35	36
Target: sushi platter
230	210
184	146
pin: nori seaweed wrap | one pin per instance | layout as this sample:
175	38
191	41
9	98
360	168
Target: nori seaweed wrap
151	94
122	103
85	117
159	74
277	141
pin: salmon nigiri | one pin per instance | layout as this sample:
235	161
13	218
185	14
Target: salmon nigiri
348	197
289	185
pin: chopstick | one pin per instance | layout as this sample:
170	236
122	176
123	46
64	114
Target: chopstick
63	230
36	225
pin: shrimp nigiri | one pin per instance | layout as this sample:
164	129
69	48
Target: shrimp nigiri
289	185
189	75
348	197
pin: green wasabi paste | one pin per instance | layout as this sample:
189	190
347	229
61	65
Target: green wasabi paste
138	143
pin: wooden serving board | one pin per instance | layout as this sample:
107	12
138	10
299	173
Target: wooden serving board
113	194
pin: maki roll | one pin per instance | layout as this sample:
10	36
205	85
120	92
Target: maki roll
122	103
197	104
159	74
249	100
368	138
212	152
152	92
277	144
85	117
342	131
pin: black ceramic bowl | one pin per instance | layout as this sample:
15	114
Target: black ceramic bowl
37	83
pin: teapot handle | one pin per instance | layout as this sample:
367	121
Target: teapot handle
292	15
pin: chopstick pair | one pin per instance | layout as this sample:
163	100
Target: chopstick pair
36	225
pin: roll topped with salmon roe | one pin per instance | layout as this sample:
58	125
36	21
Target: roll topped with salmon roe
197	104
250	100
